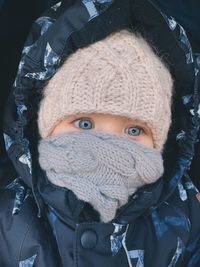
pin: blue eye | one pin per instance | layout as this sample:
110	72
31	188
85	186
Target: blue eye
134	131
83	123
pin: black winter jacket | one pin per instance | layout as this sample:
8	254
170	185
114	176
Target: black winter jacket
42	225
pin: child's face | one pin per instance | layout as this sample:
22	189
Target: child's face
136	130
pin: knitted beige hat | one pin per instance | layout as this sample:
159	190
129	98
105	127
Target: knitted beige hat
119	75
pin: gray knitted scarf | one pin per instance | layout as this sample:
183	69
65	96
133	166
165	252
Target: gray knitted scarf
102	169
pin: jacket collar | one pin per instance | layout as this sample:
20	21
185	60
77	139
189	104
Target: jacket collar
72	210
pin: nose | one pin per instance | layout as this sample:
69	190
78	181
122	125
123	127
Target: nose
109	125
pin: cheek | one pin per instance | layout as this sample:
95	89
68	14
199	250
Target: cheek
64	128
147	141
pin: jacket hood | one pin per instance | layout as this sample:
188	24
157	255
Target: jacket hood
70	25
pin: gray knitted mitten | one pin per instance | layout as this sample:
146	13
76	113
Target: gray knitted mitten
102	169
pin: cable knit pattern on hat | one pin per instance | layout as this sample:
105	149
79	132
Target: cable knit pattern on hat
102	169
119	75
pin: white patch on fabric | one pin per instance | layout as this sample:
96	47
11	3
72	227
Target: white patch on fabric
139	255
51	60
182	192
56	6
28	262
184	40
116	238
197	112
26	159
179	251
125	248
172	23
21	194
50	57
181	135
89	4
21	109
45	23
25	51
187	99
8	141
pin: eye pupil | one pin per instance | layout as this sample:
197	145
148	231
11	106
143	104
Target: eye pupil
135	131
85	124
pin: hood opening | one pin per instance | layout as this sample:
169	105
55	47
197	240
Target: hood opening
67	28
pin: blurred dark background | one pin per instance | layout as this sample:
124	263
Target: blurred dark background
16	17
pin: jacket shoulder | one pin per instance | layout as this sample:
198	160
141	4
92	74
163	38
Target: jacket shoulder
22	233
